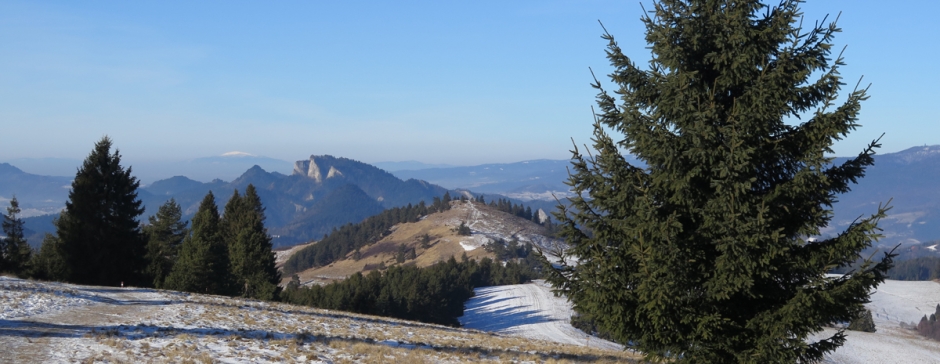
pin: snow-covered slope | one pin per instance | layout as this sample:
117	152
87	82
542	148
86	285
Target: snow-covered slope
891	304
531	311
527	310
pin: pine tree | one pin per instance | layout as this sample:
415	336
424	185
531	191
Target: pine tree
98	230
14	251
702	255
249	247
50	263
164	234
202	265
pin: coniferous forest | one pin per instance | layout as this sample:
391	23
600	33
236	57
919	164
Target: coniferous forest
350	237
435	294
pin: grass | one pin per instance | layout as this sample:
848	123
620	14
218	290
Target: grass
203	329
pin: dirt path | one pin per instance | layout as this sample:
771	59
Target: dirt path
52	336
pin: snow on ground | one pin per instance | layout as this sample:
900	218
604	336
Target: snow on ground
529	311
891	304
46	322
486	228
26	300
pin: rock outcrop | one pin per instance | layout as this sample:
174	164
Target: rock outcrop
308	168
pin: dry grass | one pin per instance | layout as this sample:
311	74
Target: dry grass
227	329
445	242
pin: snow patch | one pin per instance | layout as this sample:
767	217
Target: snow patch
527	310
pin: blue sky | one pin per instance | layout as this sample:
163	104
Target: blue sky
439	82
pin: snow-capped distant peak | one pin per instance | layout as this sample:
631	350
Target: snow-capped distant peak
237	154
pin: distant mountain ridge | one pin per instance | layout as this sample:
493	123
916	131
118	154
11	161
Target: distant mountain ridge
910	177
300	207
323	192
37	195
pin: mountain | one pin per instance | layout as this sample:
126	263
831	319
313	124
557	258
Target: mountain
910	179
321	193
227	166
528	180
408	165
36	194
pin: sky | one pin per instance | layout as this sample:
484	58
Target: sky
460	83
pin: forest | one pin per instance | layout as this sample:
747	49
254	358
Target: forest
434	294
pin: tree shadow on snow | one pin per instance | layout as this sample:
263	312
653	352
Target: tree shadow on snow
503	319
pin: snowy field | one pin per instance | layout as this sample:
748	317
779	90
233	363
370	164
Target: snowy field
531	311
527	310
891	304
61	323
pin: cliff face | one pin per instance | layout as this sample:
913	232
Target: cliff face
308	168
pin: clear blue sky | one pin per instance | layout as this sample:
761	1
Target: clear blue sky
465	82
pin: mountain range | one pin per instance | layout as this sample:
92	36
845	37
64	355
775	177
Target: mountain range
322	192
325	191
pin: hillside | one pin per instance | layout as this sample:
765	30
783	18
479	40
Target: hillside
486	223
36	194
64	323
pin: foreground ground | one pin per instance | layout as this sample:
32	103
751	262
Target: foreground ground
57	323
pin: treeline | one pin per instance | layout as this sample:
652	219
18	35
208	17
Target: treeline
917	269
99	240
351	237
928	326
518	210
435	294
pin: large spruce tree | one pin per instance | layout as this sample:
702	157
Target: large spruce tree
98	231
702	255
165	234
249	247
14	250
202	265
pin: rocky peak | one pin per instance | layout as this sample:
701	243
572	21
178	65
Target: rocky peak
308	168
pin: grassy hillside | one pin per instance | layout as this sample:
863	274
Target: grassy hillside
61	323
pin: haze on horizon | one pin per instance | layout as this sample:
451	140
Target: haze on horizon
441	83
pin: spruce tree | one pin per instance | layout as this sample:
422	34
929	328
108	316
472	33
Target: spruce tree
249	247
98	230
15	252
164	234
703	255
50	263
202	265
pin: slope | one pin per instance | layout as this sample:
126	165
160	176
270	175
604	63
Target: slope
486	223
63	323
